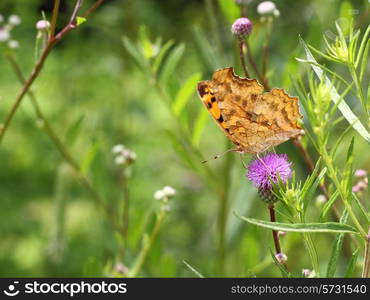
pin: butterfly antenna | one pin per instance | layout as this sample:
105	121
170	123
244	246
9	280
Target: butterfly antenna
219	155
243	163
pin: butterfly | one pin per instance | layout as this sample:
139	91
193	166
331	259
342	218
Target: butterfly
252	119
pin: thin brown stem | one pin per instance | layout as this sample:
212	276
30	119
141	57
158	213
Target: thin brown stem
93	8
274	232
242	59
54	18
75	11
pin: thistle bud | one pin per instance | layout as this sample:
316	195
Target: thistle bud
242	27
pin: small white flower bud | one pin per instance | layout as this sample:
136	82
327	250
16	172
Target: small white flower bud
4	35
43	25
14	20
306	272
159	195
281	258
360	173
321	199
267	8
281	233
118	148
119	160
169	191
13	44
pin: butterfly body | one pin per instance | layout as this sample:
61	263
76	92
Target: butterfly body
251	119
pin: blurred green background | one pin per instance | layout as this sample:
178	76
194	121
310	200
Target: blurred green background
50	226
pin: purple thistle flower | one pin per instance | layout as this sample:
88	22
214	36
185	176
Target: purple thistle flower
262	171
242	27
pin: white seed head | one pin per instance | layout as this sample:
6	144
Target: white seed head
13	44
14	20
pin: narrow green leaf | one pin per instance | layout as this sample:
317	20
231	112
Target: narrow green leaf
365	61
329	204
337	247
171	63
351	265
346	11
133	51
347	173
343	107
361	207
193	269
209	54
74	130
89	157
335	75
184	94
339	141
309	194
229	9
308	185
199	125
162	53
302	227
362	46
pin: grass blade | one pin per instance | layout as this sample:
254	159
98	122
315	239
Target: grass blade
193	269
337	247
185	93
302	227
351	265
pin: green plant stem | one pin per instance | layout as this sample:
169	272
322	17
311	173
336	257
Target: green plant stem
266	49
310	246
147	244
53	40
366	266
343	194
241	55
254	66
360	92
125	213
223	212
61	147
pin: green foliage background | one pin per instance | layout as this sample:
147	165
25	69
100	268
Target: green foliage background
50	226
